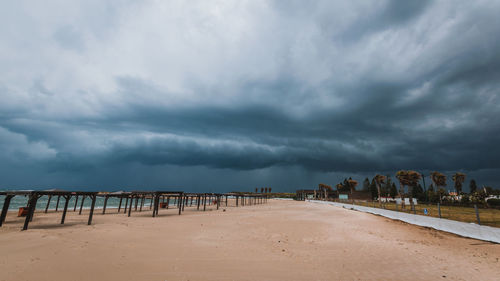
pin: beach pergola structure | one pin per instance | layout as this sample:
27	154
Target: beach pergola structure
247	198
157	195
117	194
34	195
201	199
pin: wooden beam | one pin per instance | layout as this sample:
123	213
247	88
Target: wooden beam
126	205
142	203
57	204
76	202
65	208
5	208
91	214
81	205
181	207
204	202
198	201
105	203
31	210
48	203
120	206
130	207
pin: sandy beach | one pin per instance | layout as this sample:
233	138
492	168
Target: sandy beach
281	240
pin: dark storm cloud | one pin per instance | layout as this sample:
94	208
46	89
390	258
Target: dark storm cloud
416	87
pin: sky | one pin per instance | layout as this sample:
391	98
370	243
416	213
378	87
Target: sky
233	95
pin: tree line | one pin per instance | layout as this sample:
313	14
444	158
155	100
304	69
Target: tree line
412	184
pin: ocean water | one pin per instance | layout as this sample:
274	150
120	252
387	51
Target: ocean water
22	201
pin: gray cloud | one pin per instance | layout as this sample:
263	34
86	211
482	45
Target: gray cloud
234	93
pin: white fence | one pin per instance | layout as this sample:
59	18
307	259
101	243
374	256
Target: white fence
471	230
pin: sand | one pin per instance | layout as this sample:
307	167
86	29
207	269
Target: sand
281	240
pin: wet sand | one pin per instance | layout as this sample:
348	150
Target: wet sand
281	240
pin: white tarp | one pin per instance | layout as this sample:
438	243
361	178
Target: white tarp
471	230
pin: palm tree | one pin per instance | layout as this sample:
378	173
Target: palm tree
379	179
458	179
439	180
413	180
325	188
402	177
352	184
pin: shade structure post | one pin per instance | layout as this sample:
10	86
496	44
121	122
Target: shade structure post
154	198
65	208
198	202
91	214
130	207
218	201
151	202
204	202
181	207
5	208
237	197
184	202
136	202
226	200
81	205
105	203
126	205
168	201
157	206
48	203
57	204
142	203
31	210
120	204
76	203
